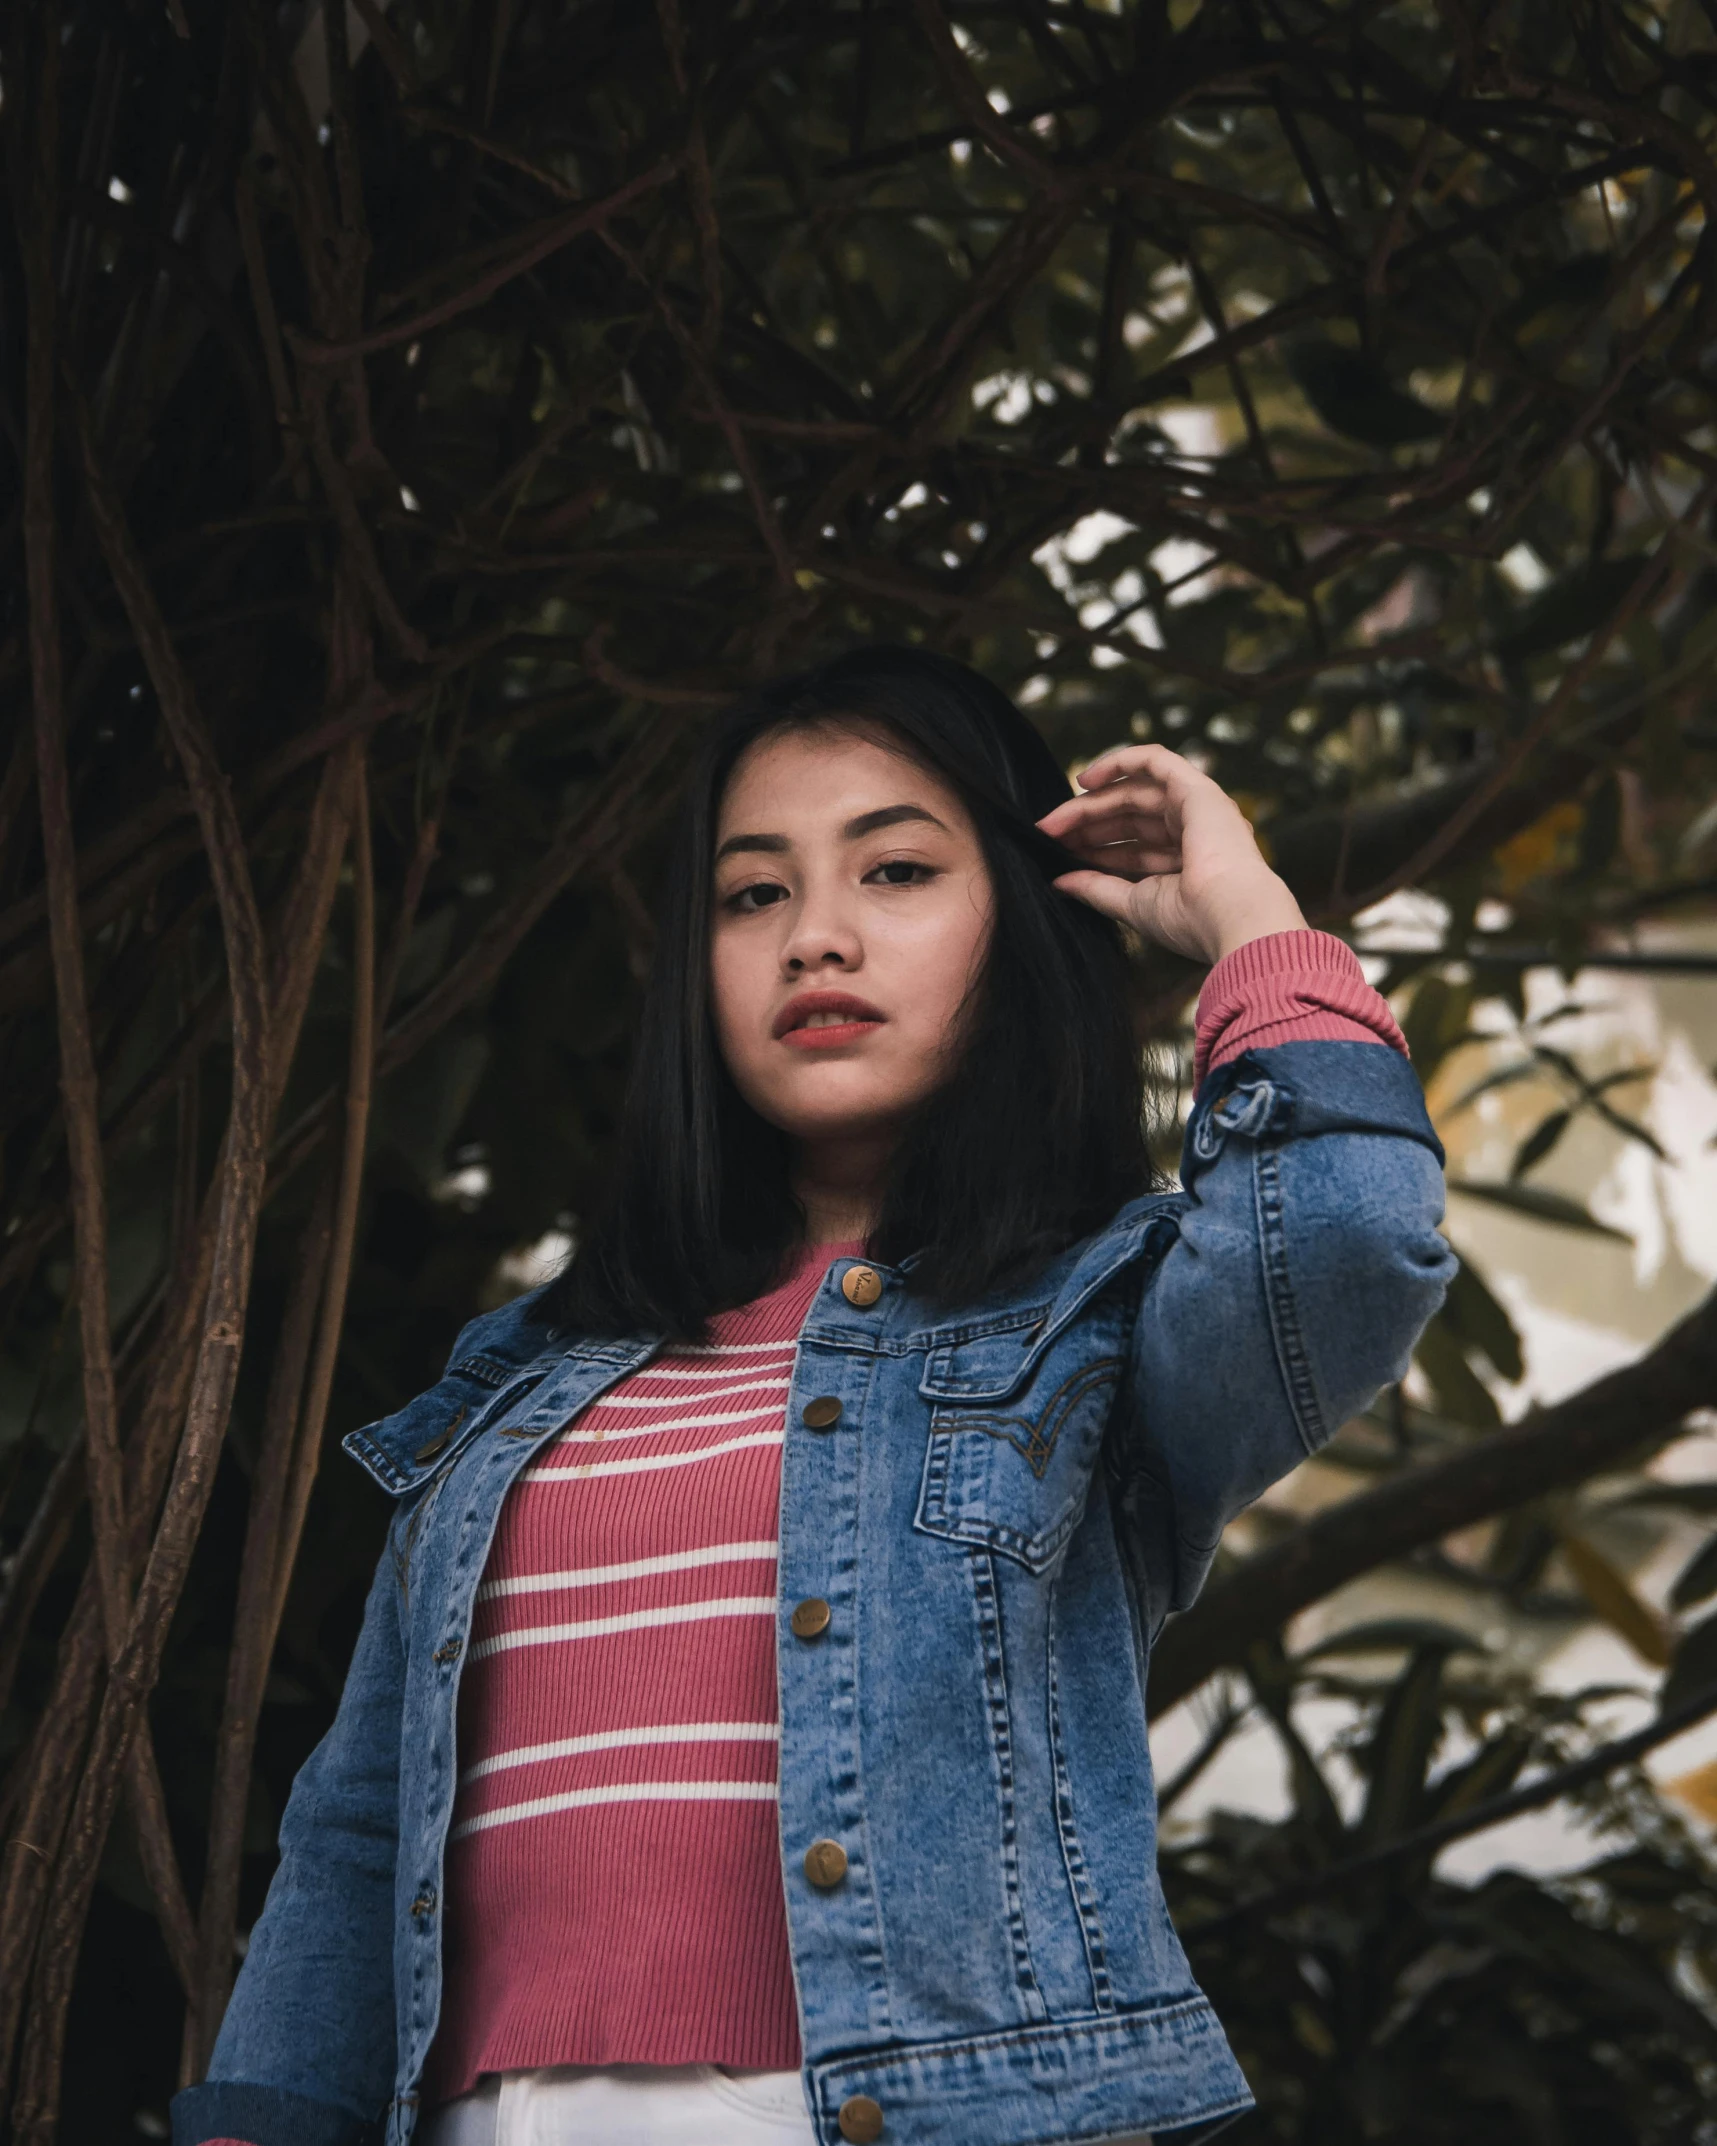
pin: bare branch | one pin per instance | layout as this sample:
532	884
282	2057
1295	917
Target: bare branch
1549	1449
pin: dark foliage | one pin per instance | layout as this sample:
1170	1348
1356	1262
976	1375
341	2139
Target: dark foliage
419	431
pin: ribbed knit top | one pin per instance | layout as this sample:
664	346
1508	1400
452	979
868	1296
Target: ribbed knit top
613	1878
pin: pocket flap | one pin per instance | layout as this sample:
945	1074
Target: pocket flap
992	1360
1014	1476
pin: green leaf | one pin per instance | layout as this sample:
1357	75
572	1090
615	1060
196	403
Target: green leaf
1541	1206
1539	1142
1380	1634
1398	1756
1489	1772
1474	1314
1694	1668
1355	396
1697	1579
1593	1092
1460	1393
1270	1675
1700	1498
1436	1022
1504	1077
1614	1598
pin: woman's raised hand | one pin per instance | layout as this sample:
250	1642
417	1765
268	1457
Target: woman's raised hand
1170	853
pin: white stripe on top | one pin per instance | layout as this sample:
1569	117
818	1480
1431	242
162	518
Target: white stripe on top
573	1799
762	1410
632	1568
678	1732
543	1473
736	1348
701	1378
677	1400
544	1635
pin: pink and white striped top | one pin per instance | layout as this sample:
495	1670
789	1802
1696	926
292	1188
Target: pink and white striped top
613	1878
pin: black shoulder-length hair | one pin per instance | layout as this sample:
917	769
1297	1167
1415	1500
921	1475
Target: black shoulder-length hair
1033	1141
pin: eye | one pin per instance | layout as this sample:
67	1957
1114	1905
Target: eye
902	872
761	894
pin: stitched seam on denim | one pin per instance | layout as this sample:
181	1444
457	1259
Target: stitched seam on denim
486	1370
1072	1853
1291	1357
873	1952
987	1598
940	1384
1008	1322
372	1458
1035	1552
1098	2025
1038	1449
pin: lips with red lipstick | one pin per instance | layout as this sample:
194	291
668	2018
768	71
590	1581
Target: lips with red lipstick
823	1020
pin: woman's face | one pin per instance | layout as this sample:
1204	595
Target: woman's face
852	910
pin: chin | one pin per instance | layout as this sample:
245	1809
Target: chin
837	1115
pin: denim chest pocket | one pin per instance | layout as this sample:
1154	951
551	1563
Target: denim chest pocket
1016	1421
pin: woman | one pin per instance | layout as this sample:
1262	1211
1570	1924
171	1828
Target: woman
790	1567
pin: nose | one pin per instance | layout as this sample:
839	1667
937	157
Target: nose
819	936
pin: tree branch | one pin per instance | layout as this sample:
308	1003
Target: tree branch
1551	1449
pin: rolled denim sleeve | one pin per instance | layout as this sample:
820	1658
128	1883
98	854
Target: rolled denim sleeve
1307	1263
306	2052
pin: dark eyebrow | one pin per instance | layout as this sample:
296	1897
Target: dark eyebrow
775	844
867	823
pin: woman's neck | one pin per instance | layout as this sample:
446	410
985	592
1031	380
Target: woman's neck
839	1185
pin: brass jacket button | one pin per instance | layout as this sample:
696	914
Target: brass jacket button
810	1618
825	1864
861	1286
860	2119
821	1414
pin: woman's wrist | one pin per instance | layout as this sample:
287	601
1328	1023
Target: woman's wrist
1257	912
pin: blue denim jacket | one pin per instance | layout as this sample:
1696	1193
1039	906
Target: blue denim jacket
1013	1498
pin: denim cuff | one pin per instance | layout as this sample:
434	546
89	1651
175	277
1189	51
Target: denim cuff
228	2112
1295	1091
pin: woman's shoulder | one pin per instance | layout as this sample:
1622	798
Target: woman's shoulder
513	1334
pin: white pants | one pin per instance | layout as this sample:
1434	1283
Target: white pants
633	2105
628	2105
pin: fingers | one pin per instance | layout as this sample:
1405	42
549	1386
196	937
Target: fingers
1173	771
1129	778
1122	806
1101	891
1147	773
1129	857
1094	827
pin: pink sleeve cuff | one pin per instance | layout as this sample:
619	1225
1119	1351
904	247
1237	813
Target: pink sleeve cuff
1288	987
